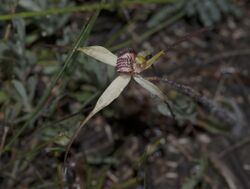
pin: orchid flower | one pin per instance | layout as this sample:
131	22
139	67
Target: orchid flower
129	65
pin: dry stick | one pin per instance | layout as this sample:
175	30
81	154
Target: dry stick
187	38
217	111
225	172
170	109
6	129
228	54
181	148
221	56
172	46
235	146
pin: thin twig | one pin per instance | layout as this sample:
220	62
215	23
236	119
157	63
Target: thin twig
6	129
210	106
181	148
170	109
210	61
186	38
228	54
225	172
234	147
148	33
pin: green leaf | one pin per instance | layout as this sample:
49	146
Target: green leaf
29	4
197	177
223	5
3	97
165	12
213	11
23	94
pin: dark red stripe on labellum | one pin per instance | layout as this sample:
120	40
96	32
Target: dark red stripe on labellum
125	61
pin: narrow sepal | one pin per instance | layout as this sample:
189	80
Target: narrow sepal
100	53
154	59
108	96
152	88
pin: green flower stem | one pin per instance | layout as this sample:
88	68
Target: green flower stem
83	8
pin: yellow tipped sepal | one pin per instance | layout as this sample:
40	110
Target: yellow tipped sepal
154	59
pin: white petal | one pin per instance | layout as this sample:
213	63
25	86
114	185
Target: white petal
152	88
100	53
109	95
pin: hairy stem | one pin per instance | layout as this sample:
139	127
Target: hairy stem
207	104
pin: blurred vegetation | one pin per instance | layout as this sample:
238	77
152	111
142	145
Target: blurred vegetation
208	12
47	87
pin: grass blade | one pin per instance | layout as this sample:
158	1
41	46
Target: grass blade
82	38
84	8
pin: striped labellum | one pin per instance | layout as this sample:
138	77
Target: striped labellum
126	61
